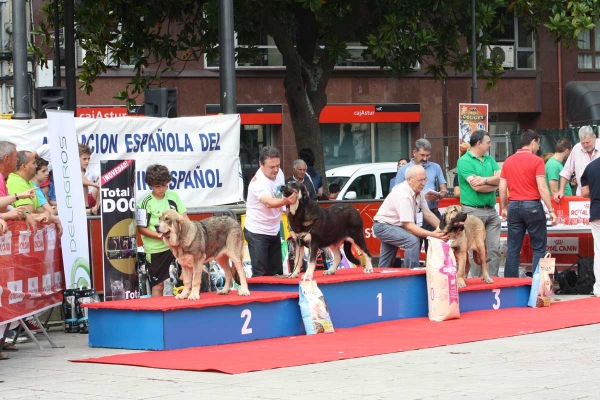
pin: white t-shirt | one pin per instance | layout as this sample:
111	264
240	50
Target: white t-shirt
93	177
260	218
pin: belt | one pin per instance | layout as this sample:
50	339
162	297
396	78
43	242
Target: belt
485	207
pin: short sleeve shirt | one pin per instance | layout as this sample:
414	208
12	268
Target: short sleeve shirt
261	219
521	171
40	195
401	206
469	165
553	168
17	185
3	189
435	177
155	207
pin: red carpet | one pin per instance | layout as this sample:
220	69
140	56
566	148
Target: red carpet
391	337
342	275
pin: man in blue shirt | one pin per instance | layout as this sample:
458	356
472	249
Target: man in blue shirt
590	187
435	186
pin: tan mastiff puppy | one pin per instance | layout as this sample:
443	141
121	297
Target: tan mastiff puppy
466	232
195	243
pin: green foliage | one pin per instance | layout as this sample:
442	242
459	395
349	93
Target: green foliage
161	37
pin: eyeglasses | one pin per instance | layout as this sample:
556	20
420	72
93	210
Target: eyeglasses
421	181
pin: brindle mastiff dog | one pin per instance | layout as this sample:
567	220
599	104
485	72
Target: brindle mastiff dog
195	243
466	232
326	227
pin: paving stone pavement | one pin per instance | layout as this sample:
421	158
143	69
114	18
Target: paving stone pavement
561	365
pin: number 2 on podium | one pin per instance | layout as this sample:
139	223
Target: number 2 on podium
248	315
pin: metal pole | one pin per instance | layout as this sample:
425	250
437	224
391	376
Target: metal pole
474	89
21	78
4	53
69	38
57	43
227	55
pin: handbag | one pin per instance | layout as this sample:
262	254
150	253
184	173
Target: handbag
313	308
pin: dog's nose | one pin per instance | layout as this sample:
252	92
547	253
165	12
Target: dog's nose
156	227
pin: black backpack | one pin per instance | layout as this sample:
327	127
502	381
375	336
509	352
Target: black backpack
580	282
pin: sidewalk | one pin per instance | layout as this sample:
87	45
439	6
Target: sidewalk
563	364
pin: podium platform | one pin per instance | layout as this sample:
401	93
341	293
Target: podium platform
164	323
353	299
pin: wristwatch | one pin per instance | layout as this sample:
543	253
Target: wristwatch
16	197
486	181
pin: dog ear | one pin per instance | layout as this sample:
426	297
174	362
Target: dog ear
187	231
443	222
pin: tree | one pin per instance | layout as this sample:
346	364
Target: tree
160	37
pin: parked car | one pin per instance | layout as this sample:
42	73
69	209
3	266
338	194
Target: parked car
363	181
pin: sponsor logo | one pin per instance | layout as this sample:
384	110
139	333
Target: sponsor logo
57	281
6	244
51	237
47	283
16	291
562	245
38	241
33	287
24	242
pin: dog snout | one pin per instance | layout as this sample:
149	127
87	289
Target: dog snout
157	227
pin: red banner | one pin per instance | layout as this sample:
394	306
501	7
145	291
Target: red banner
31	271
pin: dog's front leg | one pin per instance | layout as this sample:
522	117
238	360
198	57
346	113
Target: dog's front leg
461	260
312	262
196	279
298	258
187	267
223	261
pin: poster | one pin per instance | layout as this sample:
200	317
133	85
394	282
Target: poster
119	232
471	117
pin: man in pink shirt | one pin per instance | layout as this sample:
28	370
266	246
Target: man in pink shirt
398	223
587	150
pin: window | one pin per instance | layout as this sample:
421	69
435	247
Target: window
353	143
517	42
588	44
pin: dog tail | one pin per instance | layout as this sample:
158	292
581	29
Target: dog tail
349	255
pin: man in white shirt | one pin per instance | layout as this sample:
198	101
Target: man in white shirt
587	150
398	223
264	206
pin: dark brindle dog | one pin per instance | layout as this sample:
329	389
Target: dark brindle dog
466	232
327	227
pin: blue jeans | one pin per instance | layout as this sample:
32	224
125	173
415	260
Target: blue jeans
392	238
524	216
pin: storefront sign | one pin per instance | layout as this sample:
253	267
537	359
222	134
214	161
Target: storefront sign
253	114
471	117
101	111
365	113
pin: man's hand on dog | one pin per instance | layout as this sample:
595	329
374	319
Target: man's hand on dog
440	234
292	198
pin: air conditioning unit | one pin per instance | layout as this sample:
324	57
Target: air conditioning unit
505	55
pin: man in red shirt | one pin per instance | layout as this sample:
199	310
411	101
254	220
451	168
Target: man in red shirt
524	175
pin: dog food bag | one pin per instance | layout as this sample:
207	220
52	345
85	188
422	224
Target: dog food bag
542	285
442	285
313	308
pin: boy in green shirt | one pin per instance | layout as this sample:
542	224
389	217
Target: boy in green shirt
554	165
158	255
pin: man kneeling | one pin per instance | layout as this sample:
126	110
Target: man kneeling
399	219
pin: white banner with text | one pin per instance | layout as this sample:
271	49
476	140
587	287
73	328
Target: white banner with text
202	153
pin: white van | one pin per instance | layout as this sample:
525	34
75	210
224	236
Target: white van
363	181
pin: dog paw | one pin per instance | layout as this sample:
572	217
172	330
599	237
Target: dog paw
487	279
223	291
194	296
181	296
243	292
368	270
329	272
461	283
